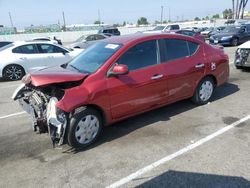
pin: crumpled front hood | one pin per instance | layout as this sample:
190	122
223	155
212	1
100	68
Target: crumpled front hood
53	75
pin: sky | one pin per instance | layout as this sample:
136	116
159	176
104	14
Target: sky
27	12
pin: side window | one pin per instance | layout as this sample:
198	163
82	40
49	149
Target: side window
26	49
99	37
48	48
90	38
172	49
193	47
140	56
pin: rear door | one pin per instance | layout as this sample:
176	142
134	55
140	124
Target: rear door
143	87
54	54
184	65
28	56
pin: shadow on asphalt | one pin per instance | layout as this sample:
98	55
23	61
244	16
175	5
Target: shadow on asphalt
176	179
125	127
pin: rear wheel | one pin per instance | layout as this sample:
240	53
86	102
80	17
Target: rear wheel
13	72
204	91
85	127
238	67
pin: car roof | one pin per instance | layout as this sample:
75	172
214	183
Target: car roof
125	39
31	42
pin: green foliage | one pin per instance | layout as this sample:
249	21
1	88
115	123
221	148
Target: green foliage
97	22
227	14
197	19
142	21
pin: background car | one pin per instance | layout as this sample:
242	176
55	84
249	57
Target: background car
242	59
163	28
206	33
109	30
4	43
86	41
19	58
118	78
232	35
53	40
190	33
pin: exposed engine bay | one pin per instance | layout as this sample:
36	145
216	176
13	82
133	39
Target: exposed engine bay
242	57
40	103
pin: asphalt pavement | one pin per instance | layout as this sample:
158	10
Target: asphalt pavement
175	146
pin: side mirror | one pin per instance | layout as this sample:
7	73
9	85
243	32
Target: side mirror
118	69
64	52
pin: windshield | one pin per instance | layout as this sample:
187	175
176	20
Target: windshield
158	28
81	39
231	30
91	59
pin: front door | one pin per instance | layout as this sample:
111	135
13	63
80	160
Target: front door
144	87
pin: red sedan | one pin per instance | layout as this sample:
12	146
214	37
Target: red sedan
118	78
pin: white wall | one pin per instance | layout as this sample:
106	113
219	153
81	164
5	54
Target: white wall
67	37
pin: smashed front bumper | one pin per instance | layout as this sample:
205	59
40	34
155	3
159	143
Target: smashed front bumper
242	58
45	115
56	121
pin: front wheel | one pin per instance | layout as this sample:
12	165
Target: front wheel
85	127
204	91
13	72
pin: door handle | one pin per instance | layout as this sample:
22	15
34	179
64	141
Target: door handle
23	58
199	66
159	76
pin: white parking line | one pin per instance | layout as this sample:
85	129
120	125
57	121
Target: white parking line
11	115
176	154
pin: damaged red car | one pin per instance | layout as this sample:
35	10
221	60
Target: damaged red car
118	78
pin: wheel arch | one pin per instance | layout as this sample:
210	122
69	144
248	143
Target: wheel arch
206	76
24	70
97	108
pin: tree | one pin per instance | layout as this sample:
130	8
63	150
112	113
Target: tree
124	23
239	8
97	22
142	21
227	14
216	16
197	19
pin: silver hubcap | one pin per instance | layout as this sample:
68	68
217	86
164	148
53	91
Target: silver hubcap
87	129
206	90
13	73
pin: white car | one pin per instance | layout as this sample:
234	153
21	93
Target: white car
52	40
163	28
19	58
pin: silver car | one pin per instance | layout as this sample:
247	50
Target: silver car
85	41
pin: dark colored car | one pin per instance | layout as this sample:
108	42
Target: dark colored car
189	33
4	43
232	35
117	78
109	30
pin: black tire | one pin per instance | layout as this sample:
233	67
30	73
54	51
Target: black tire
74	127
235	42
198	98
238	67
13	72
